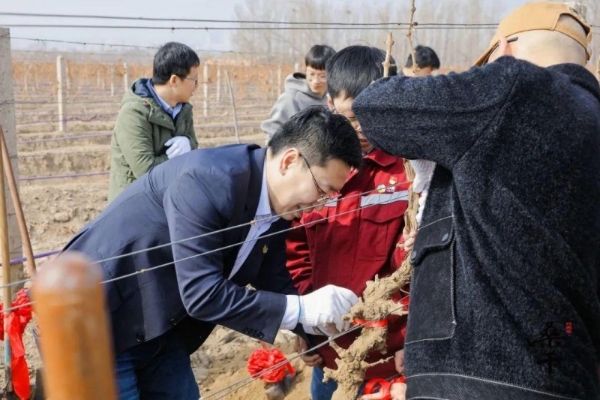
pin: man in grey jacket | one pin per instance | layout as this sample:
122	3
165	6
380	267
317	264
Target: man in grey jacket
301	90
505	292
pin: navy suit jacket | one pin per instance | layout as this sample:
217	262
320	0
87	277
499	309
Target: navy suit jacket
192	196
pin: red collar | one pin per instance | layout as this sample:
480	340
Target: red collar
381	158
378	157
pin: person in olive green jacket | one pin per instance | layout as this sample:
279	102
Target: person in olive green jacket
155	122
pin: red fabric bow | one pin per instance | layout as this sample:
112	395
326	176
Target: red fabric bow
262	359
14	325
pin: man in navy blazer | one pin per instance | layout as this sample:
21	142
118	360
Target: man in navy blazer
202	227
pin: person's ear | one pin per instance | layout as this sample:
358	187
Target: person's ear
173	80
288	159
330	102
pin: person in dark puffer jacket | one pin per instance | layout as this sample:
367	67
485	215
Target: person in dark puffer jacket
505	292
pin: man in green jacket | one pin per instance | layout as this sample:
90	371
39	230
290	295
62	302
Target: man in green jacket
155	122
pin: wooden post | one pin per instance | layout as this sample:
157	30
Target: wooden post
125	78
16	201
112	79
297	67
8	124
205	84
218	84
98	78
235	122
61	94
4	245
7	290
68	76
75	346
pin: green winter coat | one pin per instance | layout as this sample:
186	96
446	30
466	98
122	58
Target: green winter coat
140	134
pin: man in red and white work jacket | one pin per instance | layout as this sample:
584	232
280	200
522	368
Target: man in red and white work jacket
349	241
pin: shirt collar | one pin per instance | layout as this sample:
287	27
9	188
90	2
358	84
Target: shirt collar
172	111
264	204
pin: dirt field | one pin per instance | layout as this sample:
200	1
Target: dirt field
57	208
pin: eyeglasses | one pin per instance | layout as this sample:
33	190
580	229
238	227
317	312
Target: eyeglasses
511	40
192	79
320	78
323	196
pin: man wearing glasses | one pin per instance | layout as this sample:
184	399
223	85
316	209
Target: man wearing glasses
155	122
201	228
505	293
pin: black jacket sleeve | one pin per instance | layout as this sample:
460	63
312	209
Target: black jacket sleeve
436	118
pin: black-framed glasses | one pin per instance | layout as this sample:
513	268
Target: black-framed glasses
323	196
487	59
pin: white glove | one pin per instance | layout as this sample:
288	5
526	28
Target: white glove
422	201
423	173
325	330
325	307
178	145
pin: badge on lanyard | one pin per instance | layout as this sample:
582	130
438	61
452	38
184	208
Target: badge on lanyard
381	188
265	249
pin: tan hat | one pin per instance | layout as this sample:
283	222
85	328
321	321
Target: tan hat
542	16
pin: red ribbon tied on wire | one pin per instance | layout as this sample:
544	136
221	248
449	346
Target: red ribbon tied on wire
262	359
13	324
380	323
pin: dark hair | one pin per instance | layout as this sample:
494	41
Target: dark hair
425	56
353	68
318	55
320	136
173	59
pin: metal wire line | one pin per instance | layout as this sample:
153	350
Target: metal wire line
163	19
247	381
17	283
10	309
240	384
135	46
242	242
86	43
234	28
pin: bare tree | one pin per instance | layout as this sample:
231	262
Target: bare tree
458	43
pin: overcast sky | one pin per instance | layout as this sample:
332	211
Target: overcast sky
198	39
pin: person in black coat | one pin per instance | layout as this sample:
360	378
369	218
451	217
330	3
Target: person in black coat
505	290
